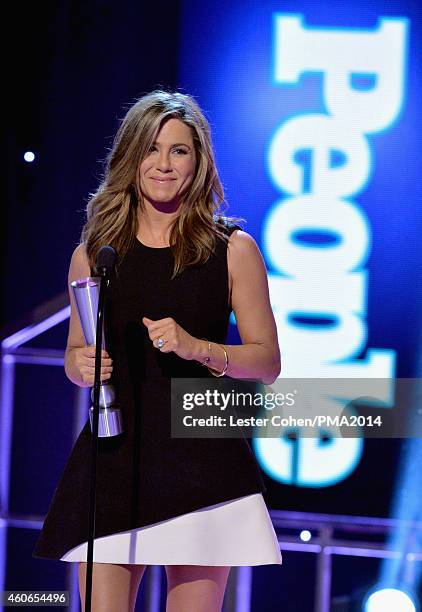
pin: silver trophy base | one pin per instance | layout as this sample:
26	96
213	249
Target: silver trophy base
109	422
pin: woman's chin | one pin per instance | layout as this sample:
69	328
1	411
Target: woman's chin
164	203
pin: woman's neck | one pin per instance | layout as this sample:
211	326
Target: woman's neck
154	226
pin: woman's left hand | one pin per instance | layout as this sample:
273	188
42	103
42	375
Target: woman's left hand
175	337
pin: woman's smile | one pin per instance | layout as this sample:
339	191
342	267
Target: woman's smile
163	180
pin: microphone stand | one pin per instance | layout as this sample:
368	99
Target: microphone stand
94	438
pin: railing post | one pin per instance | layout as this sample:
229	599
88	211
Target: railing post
7	383
323	573
239	590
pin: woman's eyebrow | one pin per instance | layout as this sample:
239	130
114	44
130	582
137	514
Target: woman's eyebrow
176	144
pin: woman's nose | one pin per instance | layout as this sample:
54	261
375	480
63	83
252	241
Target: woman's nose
163	161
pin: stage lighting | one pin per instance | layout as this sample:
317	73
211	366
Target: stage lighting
305	535
29	156
388	599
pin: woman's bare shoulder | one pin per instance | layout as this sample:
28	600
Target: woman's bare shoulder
244	258
79	264
241	243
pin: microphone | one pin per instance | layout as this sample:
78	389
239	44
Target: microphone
105	260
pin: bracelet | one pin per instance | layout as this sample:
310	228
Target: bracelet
226	365
208	359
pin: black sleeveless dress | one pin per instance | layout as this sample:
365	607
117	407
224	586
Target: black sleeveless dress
145	476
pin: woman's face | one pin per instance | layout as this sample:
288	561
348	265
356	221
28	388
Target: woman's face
169	168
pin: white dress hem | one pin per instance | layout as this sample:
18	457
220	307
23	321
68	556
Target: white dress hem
237	532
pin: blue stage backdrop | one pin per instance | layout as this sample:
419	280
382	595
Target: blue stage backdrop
315	111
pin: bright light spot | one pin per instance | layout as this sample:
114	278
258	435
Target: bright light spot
305	535
386	600
29	156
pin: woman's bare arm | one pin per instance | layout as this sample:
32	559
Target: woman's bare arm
79	358
258	357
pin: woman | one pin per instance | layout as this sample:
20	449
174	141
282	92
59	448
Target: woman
193	505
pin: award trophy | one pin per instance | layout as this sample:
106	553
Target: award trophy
86	292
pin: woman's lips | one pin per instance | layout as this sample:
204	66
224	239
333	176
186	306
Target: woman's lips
159	180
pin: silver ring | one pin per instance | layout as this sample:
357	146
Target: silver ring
160	342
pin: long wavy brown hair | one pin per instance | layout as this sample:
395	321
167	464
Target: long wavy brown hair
112	217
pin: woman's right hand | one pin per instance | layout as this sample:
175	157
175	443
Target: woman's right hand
84	364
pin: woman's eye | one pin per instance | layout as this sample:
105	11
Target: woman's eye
178	151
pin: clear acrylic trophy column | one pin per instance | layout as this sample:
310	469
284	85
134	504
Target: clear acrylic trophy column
86	292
